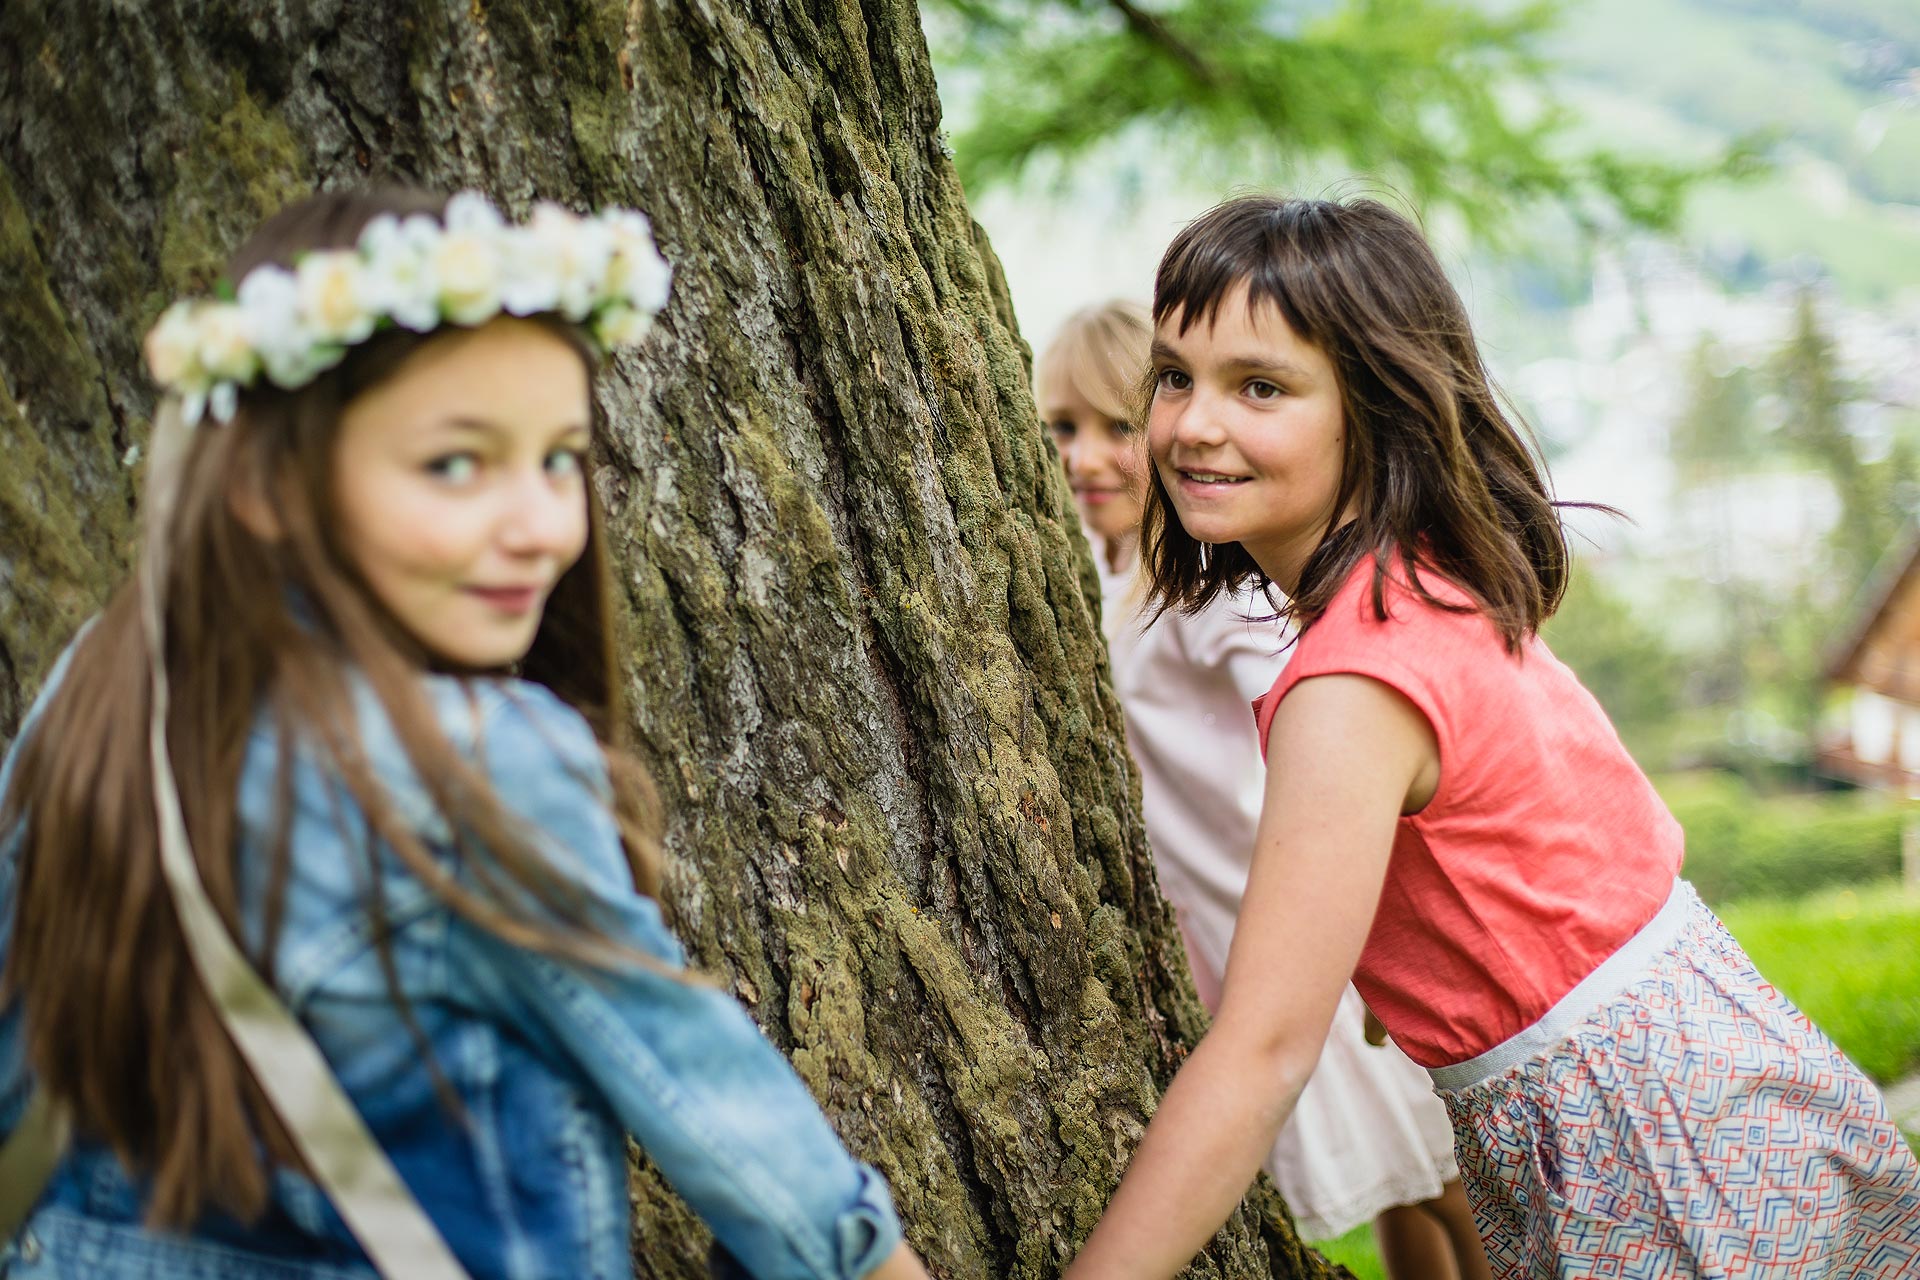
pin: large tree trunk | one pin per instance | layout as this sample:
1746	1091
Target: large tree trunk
860	620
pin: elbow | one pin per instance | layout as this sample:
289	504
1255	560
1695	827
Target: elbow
1282	1055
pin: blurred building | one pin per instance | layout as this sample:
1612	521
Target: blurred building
1878	668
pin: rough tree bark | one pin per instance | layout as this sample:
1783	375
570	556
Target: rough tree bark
860	620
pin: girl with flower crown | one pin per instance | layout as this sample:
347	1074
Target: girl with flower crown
326	923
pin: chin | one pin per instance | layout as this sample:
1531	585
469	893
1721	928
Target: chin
469	656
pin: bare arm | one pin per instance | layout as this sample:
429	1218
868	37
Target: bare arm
1346	756
901	1264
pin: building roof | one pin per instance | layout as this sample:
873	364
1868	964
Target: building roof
1882	652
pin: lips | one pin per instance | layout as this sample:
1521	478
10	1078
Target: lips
1097	497
1208	483
508	600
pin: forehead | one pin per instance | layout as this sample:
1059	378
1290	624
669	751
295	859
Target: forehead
1239	332
1232	313
513	373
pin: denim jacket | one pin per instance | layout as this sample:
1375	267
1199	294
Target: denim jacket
552	1063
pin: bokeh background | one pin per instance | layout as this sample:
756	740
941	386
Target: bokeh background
1691	245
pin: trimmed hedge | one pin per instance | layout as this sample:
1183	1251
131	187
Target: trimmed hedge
1744	845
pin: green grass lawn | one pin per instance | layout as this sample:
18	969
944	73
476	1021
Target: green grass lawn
1849	957
1355	1251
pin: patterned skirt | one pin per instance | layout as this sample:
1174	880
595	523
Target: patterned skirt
1676	1116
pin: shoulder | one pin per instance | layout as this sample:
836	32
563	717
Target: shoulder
533	750
517	730
511	727
1430	643
1400	596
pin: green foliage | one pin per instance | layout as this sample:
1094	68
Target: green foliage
1716	430
1681	77
1815	396
1449	103
1623	661
1762	635
1850	958
1741	845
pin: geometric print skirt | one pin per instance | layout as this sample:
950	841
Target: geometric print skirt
1676	1116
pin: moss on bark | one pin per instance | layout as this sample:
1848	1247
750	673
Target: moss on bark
860	620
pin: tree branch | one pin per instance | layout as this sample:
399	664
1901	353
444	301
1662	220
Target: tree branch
1155	32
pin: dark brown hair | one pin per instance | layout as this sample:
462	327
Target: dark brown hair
119	1029
1436	470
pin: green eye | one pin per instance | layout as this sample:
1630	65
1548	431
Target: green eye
565	462
454	468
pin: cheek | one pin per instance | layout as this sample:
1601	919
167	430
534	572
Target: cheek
1159	435
403	530
577	544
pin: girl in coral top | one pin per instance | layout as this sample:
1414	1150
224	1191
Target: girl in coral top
1368	1141
1449	818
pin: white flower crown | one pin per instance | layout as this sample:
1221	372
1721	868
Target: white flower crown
602	272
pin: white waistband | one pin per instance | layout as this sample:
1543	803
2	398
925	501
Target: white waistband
1613	976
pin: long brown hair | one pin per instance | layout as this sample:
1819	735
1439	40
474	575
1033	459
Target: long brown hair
119	1029
1438	473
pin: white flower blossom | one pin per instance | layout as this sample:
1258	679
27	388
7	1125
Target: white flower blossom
330	297
397	278
638	275
467	266
226	349
469	211
621	326
529	273
173	345
269	303
604	272
580	250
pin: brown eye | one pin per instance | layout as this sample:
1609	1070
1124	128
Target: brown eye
1173	380
1062	430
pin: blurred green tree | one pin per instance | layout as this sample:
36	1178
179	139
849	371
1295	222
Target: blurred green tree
1815	399
1714	434
1446	102
1623	660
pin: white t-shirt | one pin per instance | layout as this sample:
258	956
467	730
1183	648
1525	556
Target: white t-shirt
1185	684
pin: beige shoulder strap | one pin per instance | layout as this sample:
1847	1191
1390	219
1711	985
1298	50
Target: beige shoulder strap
344	1158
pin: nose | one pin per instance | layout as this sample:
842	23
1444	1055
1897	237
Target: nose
543	517
1084	456
1196	422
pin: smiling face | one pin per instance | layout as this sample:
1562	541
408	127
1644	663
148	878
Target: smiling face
459	489
1103	455
1247	433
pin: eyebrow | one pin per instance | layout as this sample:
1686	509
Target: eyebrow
1164	351
488	428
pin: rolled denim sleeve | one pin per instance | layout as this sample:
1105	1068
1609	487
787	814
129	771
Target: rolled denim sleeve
684	1068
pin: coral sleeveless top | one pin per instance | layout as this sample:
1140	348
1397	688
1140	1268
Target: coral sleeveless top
1543	849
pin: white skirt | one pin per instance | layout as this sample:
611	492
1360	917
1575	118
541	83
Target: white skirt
1368	1133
